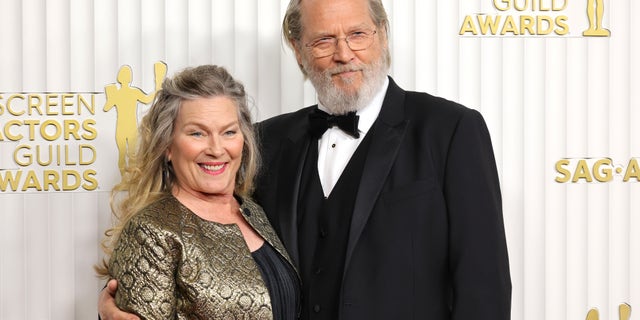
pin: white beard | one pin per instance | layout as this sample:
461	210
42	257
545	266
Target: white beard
339	101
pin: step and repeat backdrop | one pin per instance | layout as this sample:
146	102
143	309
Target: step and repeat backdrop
558	82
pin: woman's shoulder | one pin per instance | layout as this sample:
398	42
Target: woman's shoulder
163	213
152	233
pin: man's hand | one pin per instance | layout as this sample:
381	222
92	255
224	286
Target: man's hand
107	308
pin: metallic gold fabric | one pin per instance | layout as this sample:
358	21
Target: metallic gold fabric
171	264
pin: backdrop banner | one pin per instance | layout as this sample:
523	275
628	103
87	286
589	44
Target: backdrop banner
558	82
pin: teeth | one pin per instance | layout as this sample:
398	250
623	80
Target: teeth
213	168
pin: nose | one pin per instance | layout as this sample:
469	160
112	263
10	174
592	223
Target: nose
343	53
215	146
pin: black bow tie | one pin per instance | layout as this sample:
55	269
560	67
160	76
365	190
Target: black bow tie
320	121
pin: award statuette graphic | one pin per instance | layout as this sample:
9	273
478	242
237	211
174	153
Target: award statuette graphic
595	12
624	313
125	98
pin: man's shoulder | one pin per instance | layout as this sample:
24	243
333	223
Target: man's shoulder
423	102
286	118
283	124
438	114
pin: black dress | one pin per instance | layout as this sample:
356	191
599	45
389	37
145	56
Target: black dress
281	281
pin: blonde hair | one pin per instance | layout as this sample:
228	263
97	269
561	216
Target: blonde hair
149	176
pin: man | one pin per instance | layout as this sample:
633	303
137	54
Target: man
399	219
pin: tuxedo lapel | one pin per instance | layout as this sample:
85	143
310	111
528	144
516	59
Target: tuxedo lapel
292	159
388	132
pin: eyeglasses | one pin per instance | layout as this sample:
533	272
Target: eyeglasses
326	46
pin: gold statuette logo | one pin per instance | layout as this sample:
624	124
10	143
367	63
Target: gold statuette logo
537	18
624	313
595	12
125	98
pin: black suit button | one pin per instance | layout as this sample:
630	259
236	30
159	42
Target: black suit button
319	271
316	308
323	233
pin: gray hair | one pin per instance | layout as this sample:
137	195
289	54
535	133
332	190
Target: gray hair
156	129
292	27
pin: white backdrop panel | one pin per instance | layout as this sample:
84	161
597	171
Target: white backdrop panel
573	246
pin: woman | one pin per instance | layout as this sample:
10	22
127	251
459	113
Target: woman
190	243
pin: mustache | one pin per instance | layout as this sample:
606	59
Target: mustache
344	68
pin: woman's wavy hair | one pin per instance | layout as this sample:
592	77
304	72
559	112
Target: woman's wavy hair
148	175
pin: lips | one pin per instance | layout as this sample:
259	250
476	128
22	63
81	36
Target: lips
346	73
213	168
340	71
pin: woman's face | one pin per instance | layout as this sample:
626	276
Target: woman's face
206	151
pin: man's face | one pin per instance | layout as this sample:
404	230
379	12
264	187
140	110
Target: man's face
346	73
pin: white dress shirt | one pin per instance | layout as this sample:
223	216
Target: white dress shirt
335	147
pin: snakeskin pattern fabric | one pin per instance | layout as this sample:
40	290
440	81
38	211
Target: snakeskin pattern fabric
171	264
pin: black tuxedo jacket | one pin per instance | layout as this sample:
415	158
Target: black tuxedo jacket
427	237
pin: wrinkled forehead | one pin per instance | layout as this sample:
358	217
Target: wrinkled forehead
329	16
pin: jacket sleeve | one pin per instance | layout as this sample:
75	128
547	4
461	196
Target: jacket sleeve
144	263
478	261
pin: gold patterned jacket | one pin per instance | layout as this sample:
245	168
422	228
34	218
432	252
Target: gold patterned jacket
172	264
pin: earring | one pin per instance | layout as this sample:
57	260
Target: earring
166	173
